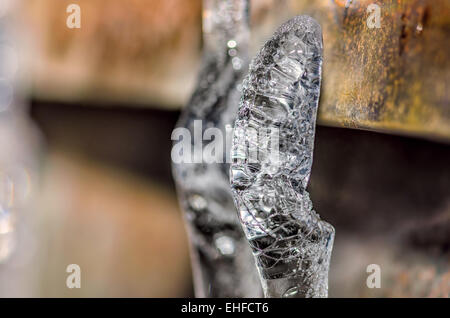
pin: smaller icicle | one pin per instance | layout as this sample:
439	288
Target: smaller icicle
223	264
291	244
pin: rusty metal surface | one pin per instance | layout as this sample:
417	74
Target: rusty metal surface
393	79
136	52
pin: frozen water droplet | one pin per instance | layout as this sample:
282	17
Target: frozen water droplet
231	44
225	245
240	178
197	202
237	63
232	52
291	292
271	108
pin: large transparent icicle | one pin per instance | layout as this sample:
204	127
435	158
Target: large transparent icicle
291	244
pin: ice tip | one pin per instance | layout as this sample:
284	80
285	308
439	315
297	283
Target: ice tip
302	23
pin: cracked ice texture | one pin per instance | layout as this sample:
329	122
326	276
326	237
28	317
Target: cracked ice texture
291	244
223	264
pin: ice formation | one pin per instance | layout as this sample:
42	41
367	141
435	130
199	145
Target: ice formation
291	244
223	264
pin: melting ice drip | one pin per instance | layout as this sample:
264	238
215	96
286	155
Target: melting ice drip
223	265
291	245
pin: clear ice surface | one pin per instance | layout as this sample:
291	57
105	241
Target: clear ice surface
223	265
291	244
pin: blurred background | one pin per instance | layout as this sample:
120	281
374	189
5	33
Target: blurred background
104	99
